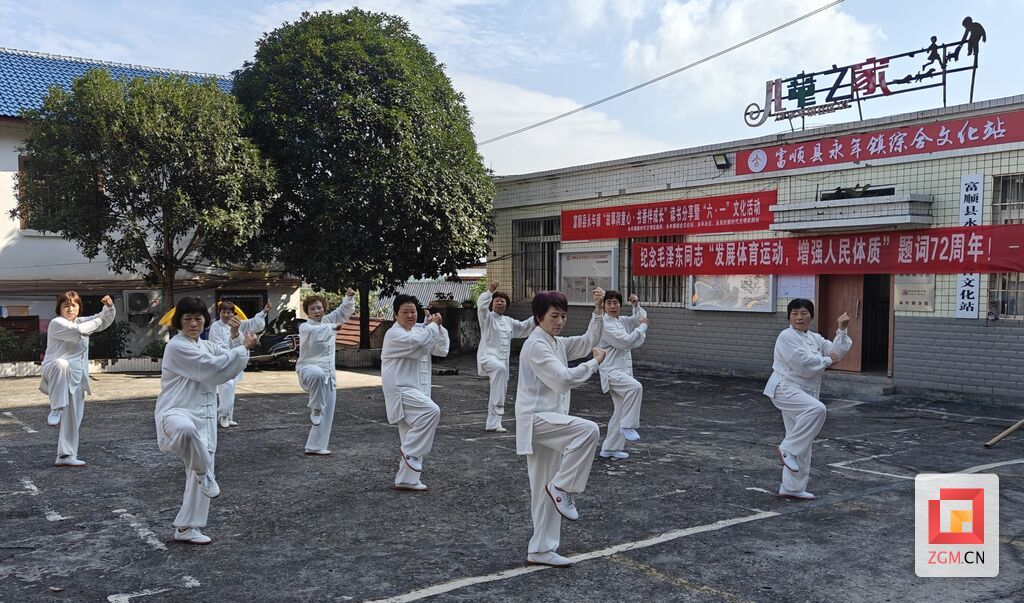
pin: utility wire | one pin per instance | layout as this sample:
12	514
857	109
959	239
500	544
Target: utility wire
661	77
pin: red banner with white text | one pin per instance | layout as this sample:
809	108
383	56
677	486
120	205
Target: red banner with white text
949	135
930	251
726	213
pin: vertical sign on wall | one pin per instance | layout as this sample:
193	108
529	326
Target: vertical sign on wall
972	202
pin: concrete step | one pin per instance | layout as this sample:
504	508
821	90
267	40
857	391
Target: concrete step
847	383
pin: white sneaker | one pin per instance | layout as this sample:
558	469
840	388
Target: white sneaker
549	558
224	422
68	461
318	452
54	417
804	495
613	454
630	434
208	485
417	487
315	417
498	429
232	423
789	461
192	536
413	462
564	503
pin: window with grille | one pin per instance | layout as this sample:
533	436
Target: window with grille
535	243
662	290
1006	289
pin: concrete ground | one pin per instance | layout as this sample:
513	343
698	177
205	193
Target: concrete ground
691	516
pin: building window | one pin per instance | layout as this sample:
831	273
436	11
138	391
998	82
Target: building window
27	220
1006	289
535	243
661	290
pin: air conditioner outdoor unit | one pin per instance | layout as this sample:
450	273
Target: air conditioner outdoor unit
141	301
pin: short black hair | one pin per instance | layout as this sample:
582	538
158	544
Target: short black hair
612	295
798	303
545	300
499	295
189	305
402	299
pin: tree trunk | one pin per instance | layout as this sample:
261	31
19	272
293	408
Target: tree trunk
167	291
364	316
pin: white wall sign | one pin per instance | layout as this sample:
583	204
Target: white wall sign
797	286
915	292
972	204
733	293
580	270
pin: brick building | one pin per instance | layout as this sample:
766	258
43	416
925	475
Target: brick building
910	223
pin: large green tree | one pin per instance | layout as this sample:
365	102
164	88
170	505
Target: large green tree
155	173
379	173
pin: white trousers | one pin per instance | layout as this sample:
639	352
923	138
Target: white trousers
226	399
416	432
323	396
627	396
562	455
803	415
186	442
497	374
71	420
60	380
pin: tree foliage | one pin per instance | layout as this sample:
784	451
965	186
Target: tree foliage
154	173
379	174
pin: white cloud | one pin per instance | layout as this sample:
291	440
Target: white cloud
589	14
691	30
587	137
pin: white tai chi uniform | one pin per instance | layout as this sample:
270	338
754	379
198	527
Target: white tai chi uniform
220	334
794	387
496	333
620	335
405	379
559	448
316	370
65	372
186	412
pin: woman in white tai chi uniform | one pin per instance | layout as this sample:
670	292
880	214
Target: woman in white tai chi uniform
220	334
315	365
65	370
620	335
496	333
186	409
801	357
405	378
559	448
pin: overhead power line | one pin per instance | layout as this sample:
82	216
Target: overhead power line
661	77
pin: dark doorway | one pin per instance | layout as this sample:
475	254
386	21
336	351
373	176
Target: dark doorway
877	307
251	302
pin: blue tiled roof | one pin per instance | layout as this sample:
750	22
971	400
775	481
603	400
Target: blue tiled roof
26	76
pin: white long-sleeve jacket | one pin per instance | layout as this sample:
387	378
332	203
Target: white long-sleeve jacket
405	363
189	376
801	359
316	338
619	336
220	333
497	332
69	340
545	378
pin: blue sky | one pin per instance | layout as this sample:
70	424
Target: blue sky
519	62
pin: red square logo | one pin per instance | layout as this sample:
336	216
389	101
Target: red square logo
965	526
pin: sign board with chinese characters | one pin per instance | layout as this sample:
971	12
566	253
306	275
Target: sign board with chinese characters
797	286
726	213
981	249
733	292
949	135
972	205
581	270
915	292
838	88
